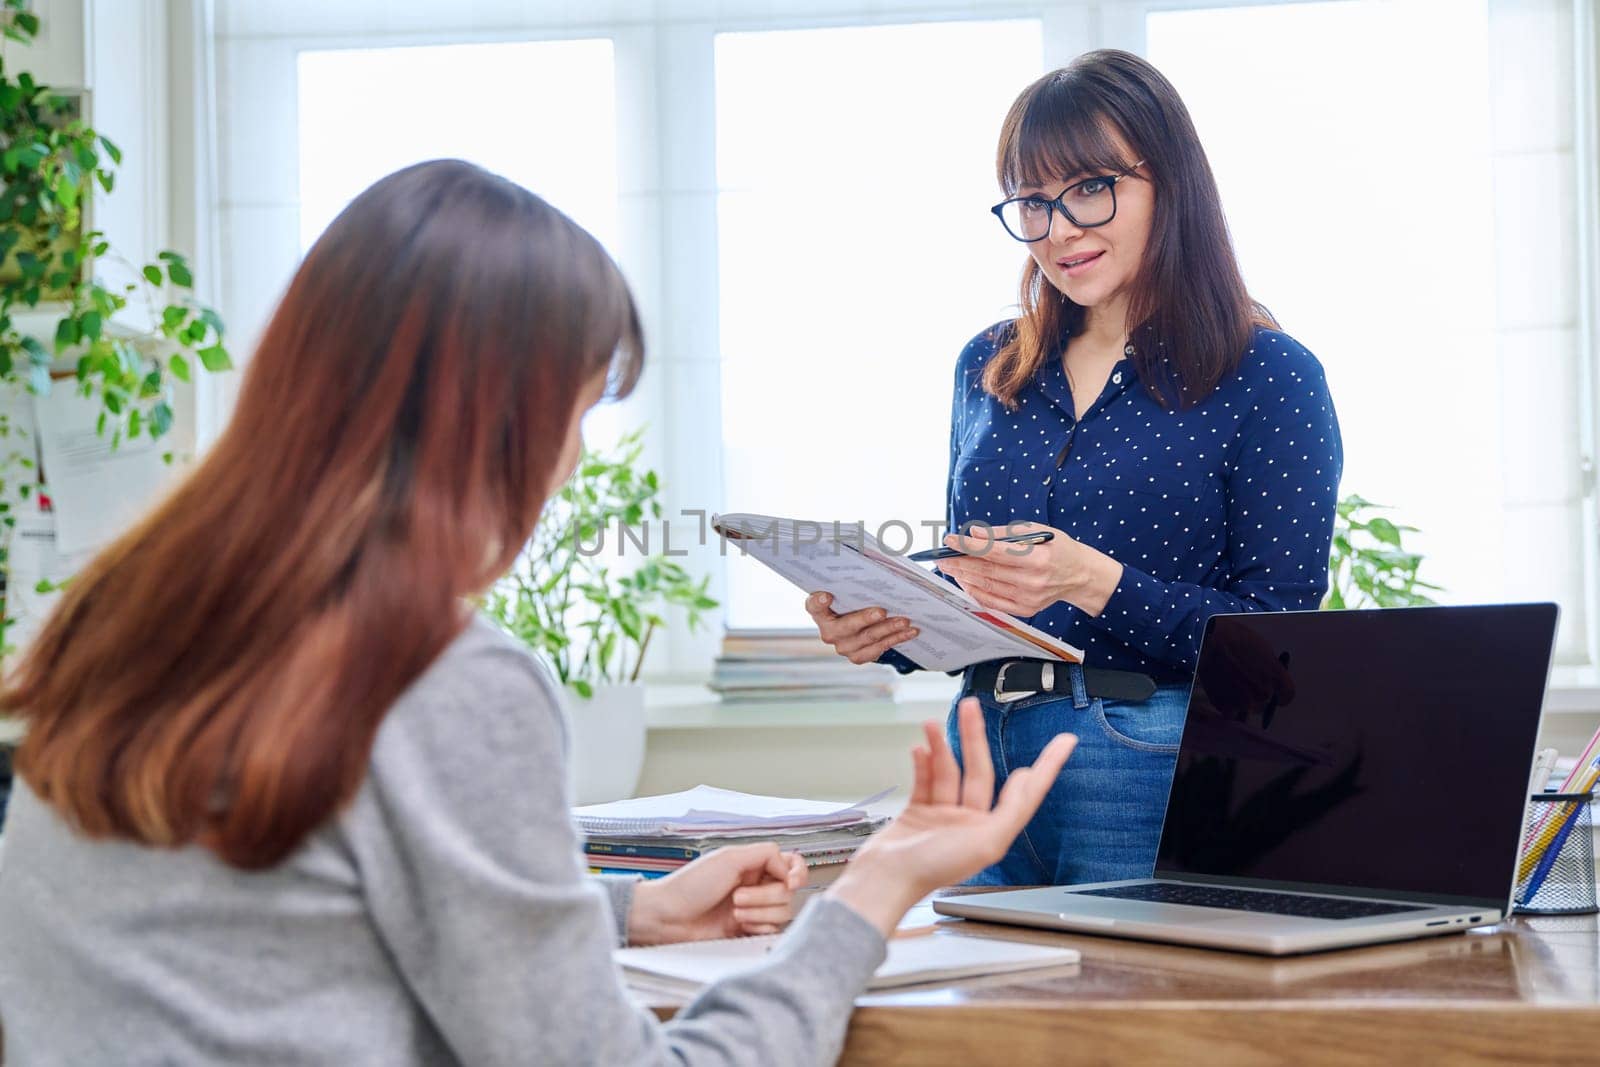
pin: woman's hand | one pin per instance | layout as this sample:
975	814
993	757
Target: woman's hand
860	636
734	891
1023	580
952	828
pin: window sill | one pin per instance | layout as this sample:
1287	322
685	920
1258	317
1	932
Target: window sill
689	706
1573	691
685	706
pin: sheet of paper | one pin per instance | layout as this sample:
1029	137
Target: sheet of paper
931	957
97	492
860	573
706	808
35	556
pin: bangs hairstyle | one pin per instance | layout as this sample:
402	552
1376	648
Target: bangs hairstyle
218	674
1190	316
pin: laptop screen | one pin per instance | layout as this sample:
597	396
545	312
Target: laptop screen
1370	750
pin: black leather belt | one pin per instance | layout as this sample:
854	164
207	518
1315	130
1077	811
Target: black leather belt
1013	679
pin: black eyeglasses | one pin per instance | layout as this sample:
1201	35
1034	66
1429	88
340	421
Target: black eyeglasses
1094	203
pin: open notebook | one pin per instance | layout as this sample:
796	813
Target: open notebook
935	957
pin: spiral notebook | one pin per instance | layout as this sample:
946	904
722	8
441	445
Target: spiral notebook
935	957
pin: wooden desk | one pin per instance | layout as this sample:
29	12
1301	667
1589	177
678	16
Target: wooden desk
1527	991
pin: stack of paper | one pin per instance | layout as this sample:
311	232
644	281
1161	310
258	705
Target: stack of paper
772	665
655	835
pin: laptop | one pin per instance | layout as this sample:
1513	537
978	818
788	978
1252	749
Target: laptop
1344	777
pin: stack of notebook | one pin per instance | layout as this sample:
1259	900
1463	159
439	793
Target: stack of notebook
653	836
771	665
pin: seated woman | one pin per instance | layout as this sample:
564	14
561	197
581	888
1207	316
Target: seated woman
285	799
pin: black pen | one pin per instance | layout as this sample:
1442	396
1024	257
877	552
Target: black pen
1037	537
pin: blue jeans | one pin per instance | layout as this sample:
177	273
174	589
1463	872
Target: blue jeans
1101	820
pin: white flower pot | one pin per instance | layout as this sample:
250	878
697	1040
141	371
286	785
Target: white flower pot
607	732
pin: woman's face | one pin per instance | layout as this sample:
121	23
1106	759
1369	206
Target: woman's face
1096	267
572	443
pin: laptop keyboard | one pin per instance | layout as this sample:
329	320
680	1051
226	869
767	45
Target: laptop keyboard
1209	896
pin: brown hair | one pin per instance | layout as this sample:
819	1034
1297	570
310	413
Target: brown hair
218	674
1190	316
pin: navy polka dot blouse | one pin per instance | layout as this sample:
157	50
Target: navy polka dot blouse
1225	507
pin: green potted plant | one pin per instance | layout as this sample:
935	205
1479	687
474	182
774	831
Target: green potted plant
1368	566
122	344
590	612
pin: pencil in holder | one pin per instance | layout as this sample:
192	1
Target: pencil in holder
1555	873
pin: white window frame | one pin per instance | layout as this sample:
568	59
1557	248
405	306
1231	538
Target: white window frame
667	186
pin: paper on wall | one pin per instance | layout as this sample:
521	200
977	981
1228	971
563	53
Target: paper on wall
35	557
97	491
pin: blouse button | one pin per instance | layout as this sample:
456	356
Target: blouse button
1116	379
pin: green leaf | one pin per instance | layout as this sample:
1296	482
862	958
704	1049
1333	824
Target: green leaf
178	271
112	150
215	358
179	367
1385	531
213	320
160	419
152	274
91	323
585	690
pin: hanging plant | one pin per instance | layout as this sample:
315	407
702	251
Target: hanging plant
126	343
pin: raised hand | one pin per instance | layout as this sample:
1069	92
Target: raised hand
953	826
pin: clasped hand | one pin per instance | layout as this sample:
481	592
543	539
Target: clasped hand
732	892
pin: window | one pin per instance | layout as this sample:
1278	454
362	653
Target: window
542	113
1372	216
798	192
857	255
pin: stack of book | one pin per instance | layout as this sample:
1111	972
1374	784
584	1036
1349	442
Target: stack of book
654	836
770	665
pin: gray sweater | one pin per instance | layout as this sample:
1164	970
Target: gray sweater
443	917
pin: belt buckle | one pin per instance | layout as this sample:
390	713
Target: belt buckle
1001	696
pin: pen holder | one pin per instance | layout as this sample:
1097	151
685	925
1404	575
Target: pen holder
1555	873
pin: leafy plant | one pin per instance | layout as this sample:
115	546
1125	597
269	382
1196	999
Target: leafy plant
126	342
1368	566
593	622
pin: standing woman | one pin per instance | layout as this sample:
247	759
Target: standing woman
1184	451
284	799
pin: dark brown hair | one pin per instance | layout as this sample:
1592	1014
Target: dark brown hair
1189	316
218	674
